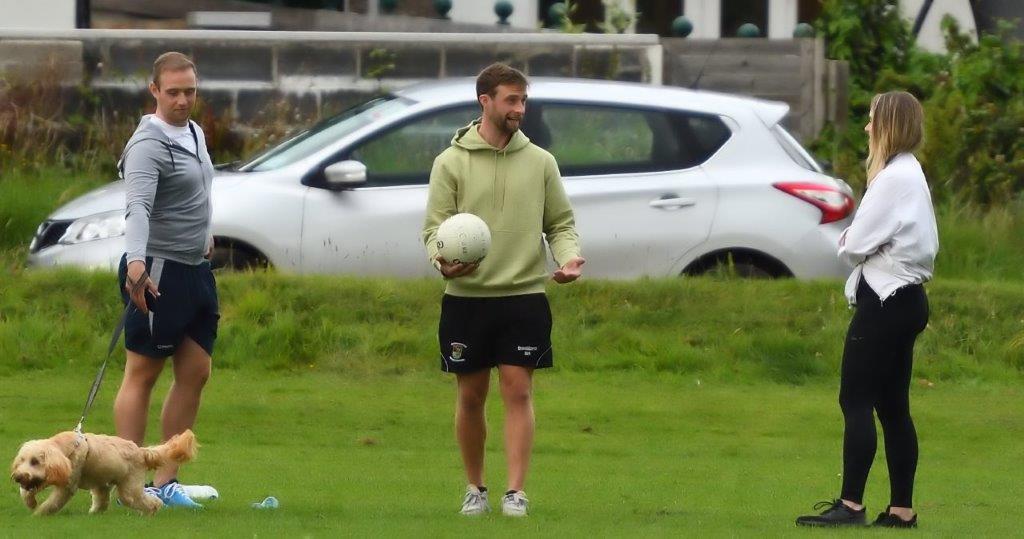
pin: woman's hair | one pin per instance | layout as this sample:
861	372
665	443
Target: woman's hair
896	125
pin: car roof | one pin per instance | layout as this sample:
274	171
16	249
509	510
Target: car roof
458	90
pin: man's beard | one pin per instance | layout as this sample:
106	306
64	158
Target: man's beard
507	125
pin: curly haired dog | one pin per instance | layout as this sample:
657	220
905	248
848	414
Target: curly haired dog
70	461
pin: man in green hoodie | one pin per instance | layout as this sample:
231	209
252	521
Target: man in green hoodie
495	313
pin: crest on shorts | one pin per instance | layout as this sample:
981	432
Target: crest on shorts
457	349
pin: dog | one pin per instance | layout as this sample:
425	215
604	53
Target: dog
70	461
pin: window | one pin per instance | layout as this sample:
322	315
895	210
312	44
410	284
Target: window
600	139
793	149
405	154
325	133
736	13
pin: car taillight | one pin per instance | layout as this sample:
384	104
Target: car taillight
834	204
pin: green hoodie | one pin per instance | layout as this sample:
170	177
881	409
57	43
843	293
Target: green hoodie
518	192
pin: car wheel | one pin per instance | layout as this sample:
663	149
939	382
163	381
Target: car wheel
235	256
746	264
745	270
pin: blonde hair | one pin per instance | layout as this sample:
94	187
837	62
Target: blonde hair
171	61
897	123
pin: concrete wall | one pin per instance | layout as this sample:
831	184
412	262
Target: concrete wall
245	73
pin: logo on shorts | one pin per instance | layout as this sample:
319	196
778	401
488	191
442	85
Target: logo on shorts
527	350
457	349
164	346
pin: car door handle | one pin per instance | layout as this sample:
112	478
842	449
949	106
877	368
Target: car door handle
669	202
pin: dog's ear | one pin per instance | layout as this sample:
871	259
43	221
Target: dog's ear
17	457
57	466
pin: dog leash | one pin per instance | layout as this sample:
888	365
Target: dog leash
110	350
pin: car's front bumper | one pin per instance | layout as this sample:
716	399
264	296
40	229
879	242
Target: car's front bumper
98	254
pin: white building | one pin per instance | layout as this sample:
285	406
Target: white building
713	19
47	14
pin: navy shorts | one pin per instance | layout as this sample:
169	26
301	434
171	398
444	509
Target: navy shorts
187	307
481	333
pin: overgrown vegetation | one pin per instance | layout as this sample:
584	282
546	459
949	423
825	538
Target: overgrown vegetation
44	125
725	330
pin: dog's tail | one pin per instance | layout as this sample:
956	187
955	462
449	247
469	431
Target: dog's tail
181	448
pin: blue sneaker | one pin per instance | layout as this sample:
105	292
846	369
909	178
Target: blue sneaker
173	495
150	490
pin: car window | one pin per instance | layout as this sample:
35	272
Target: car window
793	149
405	154
591	139
325	133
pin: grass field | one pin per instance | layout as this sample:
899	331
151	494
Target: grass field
626	454
678	407
696	407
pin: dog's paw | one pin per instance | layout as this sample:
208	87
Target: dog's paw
29	498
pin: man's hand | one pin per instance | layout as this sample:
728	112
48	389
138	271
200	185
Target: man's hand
137	284
571	271
451	271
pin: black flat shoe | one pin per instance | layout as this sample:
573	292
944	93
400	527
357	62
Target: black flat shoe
889	520
836	514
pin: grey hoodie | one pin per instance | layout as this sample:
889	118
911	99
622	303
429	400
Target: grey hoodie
168	196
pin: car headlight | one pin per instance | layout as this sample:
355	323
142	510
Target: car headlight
94	227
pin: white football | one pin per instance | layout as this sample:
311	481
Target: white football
464	238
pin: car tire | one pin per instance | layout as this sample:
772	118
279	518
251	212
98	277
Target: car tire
233	256
743	270
745	264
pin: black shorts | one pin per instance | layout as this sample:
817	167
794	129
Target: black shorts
480	333
187	306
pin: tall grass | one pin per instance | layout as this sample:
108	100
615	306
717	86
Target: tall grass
741	331
45	124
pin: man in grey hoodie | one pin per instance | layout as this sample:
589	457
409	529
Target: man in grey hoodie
165	272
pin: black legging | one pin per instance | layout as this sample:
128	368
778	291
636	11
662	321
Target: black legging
877	362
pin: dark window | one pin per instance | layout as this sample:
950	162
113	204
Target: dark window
808	11
736	13
656	16
404	155
600	139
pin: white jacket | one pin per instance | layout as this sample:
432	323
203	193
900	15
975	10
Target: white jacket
893	239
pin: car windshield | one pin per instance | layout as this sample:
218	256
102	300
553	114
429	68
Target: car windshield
326	132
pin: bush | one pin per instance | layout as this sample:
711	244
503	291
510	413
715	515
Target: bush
973	98
975	133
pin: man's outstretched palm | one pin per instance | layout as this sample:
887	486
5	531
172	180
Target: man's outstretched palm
571	271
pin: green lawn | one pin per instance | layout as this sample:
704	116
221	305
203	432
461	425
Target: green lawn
626	454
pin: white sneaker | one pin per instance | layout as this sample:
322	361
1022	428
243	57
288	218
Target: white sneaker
475	502
200	493
514	504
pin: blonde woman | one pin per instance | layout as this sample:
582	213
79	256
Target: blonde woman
892	244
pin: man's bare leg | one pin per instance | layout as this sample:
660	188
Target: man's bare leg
470	424
191	371
517	392
131	406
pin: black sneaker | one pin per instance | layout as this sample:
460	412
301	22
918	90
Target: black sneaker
836	514
889	520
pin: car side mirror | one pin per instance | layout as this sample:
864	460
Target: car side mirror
345	175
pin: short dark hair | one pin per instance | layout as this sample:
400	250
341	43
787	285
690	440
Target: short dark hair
495	75
171	61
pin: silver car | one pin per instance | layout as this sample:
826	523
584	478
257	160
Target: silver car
664	181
